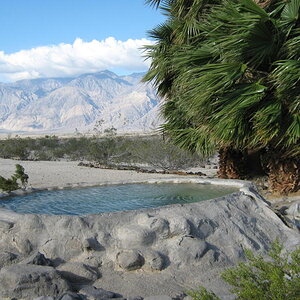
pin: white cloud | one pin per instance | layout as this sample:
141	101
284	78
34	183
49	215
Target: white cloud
73	59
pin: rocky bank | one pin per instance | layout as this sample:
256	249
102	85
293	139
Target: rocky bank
145	253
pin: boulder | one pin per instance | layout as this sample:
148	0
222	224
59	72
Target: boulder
29	281
130	260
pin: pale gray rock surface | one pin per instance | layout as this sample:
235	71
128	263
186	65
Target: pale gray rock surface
182	246
130	260
70	296
28	281
37	259
96	294
160	297
293	214
7	258
77	272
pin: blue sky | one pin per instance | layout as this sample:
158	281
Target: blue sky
61	32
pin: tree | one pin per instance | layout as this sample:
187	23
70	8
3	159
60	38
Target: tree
276	277
233	81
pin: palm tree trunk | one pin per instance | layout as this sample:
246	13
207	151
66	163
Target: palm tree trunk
231	164
284	175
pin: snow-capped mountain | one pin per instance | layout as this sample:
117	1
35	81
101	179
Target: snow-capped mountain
67	105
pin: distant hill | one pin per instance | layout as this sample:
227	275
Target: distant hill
66	105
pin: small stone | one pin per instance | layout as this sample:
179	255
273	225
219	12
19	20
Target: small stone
130	260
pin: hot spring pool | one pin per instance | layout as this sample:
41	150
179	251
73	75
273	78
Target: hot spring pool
112	198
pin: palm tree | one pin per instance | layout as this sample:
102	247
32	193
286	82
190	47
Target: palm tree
233	82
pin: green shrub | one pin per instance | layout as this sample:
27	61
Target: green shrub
11	184
8	185
21	175
274	278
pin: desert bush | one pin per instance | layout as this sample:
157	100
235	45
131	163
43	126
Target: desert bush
107	148
162	154
11	184
276	277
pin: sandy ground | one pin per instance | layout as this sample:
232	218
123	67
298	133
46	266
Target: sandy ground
54	174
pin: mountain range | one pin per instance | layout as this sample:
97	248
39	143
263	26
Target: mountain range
85	103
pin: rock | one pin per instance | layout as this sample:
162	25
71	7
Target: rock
28	281
133	236
179	226
91	244
5	225
162	297
205	228
292	214
44	298
77	272
73	247
159	225
70	296
135	298
96	293
7	258
130	260
154	260
294	210
23	245
187	250
38	259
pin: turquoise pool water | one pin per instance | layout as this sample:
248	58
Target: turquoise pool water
112	198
